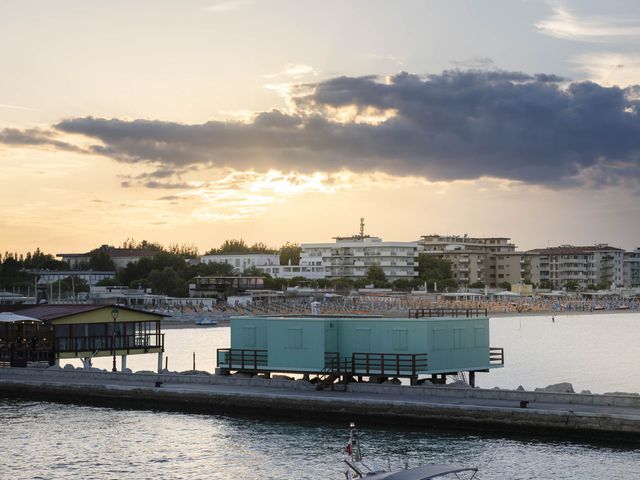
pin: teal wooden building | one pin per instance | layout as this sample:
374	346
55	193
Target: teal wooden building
353	347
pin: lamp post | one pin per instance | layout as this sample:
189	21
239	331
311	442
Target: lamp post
114	314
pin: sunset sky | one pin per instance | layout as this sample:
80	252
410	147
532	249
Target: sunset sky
196	121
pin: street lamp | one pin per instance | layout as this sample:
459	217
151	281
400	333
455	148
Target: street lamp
114	314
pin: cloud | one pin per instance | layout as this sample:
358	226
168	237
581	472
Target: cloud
16	107
565	24
453	126
35	138
610	68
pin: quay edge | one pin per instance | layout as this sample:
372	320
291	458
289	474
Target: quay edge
619	421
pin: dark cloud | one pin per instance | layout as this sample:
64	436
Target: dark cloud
455	125
35	138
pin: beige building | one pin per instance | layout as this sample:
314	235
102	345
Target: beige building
490	260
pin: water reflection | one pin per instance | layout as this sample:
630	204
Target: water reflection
46	440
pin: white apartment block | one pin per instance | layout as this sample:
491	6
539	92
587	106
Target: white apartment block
311	272
351	257
631	268
242	261
585	265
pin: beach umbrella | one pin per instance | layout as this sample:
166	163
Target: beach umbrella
10	317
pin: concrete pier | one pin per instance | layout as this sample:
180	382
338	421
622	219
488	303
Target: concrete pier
615	417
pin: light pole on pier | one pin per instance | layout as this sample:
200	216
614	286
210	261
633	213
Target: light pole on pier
114	314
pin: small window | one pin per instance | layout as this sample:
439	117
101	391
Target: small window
439	339
458	338
480	337
295	338
250	336
400	339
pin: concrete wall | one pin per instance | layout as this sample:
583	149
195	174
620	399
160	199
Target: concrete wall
495	394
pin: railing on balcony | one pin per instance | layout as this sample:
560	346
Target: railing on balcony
20	356
496	355
385	364
109	342
236	358
447	312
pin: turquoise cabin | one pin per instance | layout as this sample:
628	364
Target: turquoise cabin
360	346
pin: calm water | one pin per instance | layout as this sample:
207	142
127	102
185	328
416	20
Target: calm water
54	441
593	352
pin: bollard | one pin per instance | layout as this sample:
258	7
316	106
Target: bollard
194	361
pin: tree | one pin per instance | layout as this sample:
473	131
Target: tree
253	271
107	282
101	261
167	282
376	275
432	270
571	285
402	285
230	246
290	254
505	285
546	285
477	284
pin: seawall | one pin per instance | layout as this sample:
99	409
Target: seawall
615	417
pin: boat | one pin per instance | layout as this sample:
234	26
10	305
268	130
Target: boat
361	469
206	321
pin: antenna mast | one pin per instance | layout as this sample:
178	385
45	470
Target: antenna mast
361	227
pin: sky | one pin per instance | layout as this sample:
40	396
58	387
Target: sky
196	121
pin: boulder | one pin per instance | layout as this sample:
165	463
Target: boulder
623	394
68	366
145	372
520	388
585	392
393	381
458	384
282	377
54	367
563	387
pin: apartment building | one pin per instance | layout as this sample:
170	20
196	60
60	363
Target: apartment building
351	257
584	265
631	268
243	261
120	256
490	260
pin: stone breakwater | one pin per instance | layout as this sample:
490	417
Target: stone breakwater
540	412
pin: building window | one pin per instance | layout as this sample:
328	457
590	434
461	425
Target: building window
400	339
295	338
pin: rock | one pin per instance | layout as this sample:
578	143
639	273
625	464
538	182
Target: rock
127	370
54	367
458	384
68	366
194	372
623	394
145	372
585	392
520	388
563	387
241	375
282	377
393	381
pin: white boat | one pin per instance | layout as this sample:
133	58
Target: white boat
361	469
206	321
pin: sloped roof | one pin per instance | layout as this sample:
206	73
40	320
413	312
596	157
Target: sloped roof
48	312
